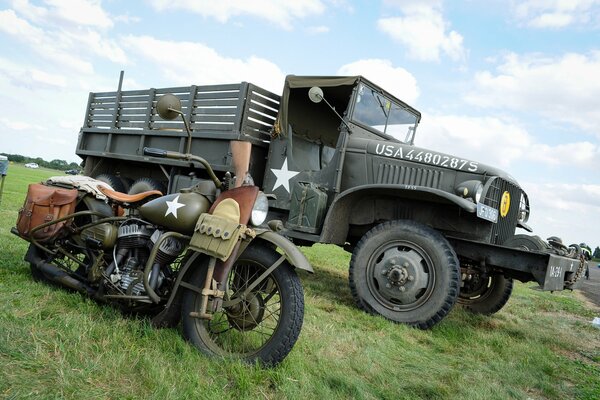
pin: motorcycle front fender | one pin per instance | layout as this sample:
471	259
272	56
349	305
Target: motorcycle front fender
292	253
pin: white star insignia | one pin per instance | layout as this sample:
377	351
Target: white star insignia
173	206
283	176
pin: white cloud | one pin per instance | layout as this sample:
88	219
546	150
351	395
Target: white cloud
561	89
281	13
500	142
74	12
556	14
186	62
423	31
564	210
395	80
491	140
68	47
17	125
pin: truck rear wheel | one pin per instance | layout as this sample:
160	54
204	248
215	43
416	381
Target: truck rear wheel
146	184
485	295
406	272
113	181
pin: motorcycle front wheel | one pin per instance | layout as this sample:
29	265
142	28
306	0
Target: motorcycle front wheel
262	327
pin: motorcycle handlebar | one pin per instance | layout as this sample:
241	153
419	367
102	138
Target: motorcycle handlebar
160	153
153	152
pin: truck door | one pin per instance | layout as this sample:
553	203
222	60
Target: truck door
304	156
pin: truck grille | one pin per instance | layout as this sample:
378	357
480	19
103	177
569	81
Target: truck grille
504	229
397	174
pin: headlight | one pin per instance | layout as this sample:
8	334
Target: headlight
470	189
260	209
523	215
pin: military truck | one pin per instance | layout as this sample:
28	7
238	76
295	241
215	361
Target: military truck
337	158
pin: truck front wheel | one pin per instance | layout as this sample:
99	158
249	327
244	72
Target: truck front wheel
485	295
406	272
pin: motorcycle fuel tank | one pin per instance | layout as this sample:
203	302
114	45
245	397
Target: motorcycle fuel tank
178	212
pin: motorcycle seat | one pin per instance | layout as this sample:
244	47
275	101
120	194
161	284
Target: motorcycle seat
124	198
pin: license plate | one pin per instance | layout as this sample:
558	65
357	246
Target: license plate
486	212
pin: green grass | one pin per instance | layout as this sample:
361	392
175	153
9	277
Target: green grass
58	344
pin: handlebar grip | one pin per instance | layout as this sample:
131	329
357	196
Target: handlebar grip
154	152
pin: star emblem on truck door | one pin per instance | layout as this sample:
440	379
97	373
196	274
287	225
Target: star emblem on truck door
173	206
283	176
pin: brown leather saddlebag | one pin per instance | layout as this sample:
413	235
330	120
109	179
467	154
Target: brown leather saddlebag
44	204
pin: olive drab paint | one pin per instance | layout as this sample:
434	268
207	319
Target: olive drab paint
178	211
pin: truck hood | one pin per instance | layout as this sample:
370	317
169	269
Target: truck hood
411	153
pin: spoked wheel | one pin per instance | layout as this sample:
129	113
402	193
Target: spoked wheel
260	326
485	294
406	272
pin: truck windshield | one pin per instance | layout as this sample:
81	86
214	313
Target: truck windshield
383	114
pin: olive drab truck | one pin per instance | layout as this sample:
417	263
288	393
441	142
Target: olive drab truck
337	160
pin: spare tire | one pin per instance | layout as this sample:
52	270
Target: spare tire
145	184
113	180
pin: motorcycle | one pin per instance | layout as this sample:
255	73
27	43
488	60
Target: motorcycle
197	257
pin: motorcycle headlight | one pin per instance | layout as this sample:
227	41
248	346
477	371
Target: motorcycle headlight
260	209
523	215
470	189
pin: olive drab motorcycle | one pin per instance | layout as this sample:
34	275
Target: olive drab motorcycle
195	257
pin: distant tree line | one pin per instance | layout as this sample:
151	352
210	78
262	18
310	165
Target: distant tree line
596	253
60	165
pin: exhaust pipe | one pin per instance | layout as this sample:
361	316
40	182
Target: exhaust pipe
56	274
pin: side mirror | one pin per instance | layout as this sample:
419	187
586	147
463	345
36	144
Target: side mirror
315	94
168	107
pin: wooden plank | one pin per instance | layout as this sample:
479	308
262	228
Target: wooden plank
218	88
174	90
100	111
96	118
264	97
255	99
213	118
104	94
134	111
212	127
234	94
258	109
106	124
214	111
216	102
128	99
267	120
134	104
103	101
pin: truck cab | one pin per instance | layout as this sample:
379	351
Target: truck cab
355	156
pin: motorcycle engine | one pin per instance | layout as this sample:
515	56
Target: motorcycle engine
136	240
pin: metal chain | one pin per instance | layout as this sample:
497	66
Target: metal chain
579	272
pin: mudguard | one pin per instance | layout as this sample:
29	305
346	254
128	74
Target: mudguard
292	253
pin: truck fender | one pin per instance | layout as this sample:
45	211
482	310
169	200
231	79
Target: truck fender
292	253
335	232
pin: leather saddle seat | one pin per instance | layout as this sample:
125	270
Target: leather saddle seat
124	199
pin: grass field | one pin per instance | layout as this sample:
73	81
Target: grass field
58	344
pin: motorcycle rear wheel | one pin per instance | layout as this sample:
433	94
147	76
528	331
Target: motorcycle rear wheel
262	328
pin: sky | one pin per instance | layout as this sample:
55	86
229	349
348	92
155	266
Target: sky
514	84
